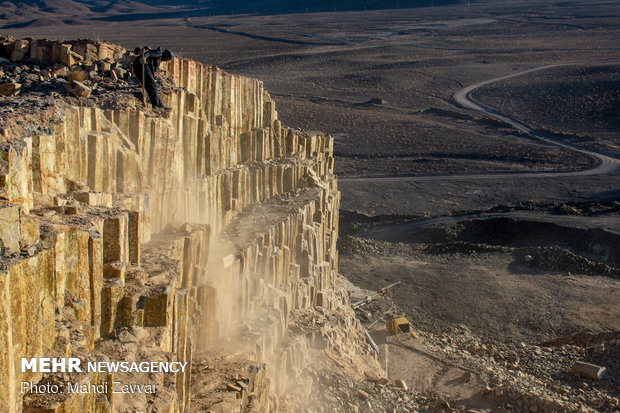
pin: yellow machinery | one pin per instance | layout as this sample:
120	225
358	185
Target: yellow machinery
381	293
396	324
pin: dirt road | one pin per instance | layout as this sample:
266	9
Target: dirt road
606	164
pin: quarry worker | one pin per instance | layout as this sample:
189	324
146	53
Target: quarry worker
145	66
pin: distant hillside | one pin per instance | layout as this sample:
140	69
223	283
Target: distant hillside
270	6
30	13
267	6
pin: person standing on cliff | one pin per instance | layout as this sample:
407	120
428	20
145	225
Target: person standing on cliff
144	68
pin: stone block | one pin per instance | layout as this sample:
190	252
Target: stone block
95	275
78	89
76	57
260	143
59	202
71	209
19	179
111	294
127	311
77	268
18	56
158	309
115	270
246	146
88	198
65	56
115	239
10	233
96	161
139	318
9	89
181	320
8	381
134	237
21	45
60	71
94	198
103	66
44	164
120	72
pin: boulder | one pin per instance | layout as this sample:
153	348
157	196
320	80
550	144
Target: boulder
9	89
78	89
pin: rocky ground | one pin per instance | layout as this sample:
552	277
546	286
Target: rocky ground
502	318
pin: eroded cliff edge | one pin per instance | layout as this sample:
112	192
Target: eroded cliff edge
206	235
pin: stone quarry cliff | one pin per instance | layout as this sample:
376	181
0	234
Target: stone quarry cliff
206	235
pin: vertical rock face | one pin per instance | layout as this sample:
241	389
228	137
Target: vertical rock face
128	236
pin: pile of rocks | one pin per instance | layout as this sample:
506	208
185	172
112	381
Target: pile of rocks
36	84
340	393
525	377
25	68
556	258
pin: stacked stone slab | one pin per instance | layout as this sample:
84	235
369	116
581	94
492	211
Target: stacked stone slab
64	52
180	230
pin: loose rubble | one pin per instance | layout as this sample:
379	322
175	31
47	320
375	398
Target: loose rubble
527	377
38	77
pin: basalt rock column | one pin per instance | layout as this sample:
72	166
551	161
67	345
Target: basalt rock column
132	235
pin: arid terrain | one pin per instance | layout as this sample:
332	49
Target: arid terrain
449	200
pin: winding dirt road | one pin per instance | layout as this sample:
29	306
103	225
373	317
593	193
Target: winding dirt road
606	163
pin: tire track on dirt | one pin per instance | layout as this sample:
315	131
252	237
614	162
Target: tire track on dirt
463	97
